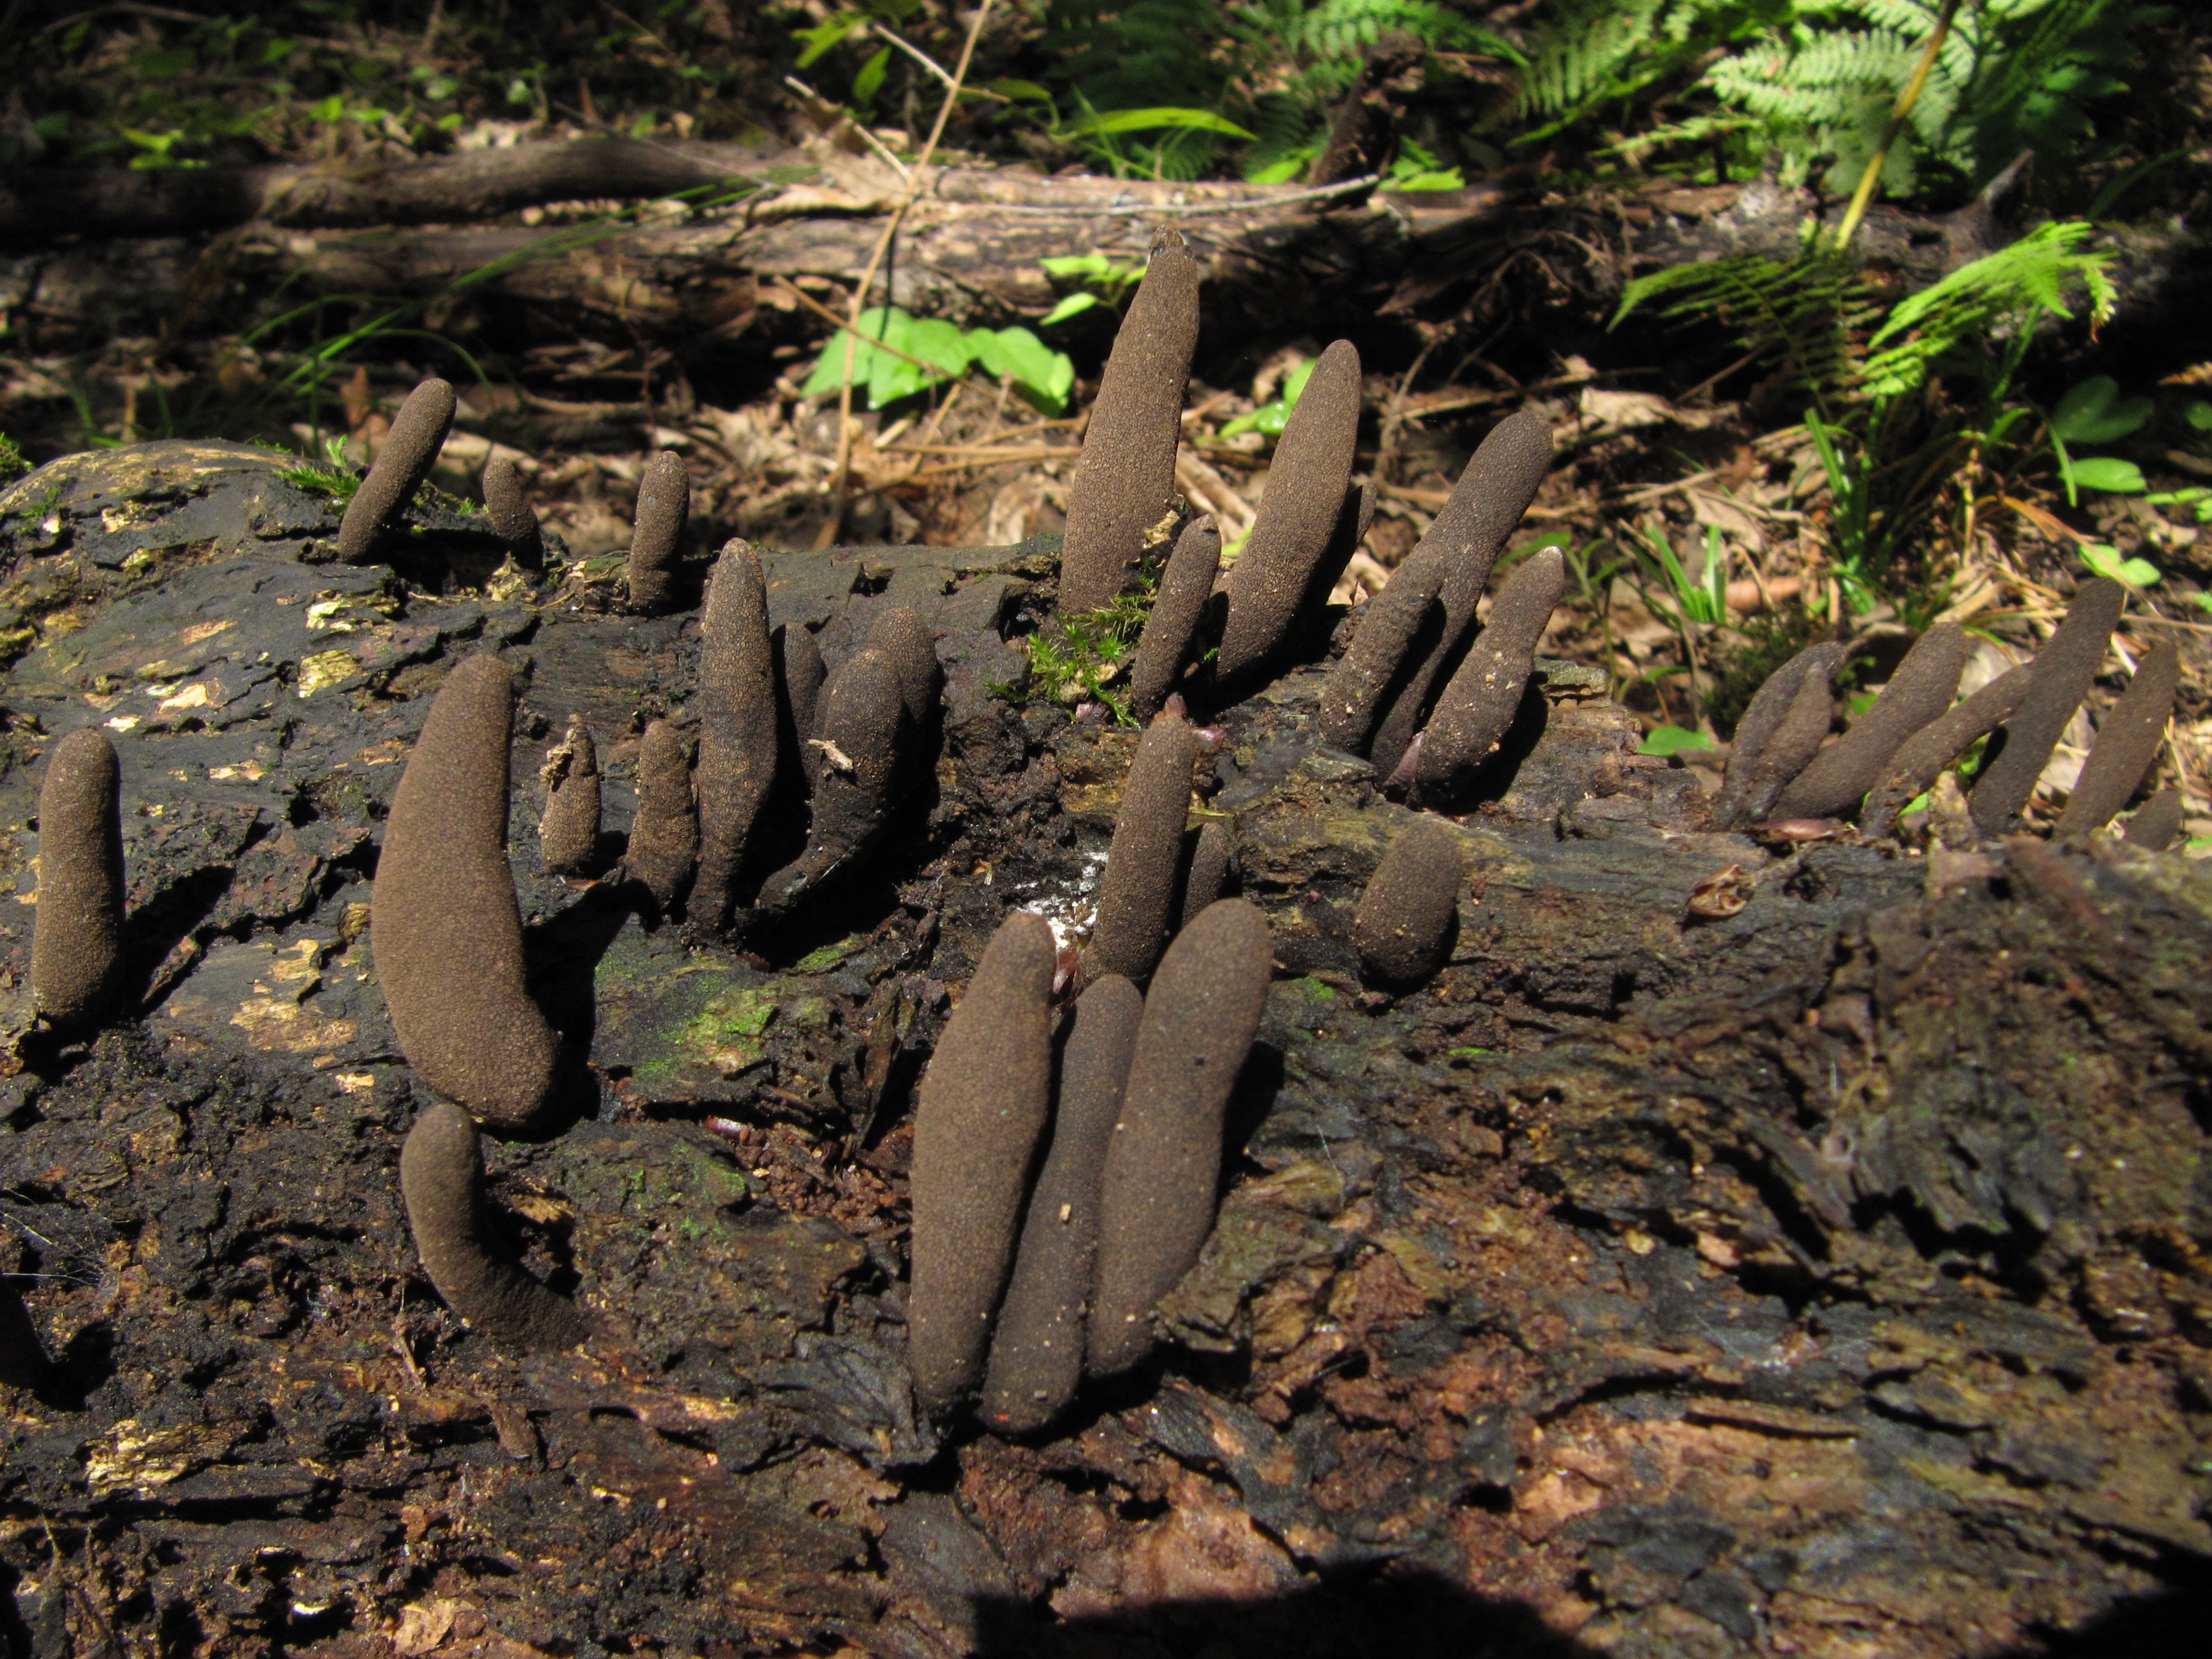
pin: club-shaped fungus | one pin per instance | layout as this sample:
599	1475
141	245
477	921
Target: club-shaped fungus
1479	703
441	1178
410	449
798	675
982	1104
568	832
1207	873
1165	1161
2127	742
76	927
2064	669
1406	916
1124	481
1790	748
1036	1348
664	836
1921	758
1269	584
857	775
1136	894
1163	649
1488	502
1770	707
2157	823
904	637
513	519
1918	691
1394	629
738	726
446	929
664	508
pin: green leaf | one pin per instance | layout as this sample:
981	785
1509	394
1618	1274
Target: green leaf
870	81
2105	560
1673	740
2093	412
1278	172
2199	415
1152	120
1025	91
825	36
1041	375
1077	267
2109	474
1073	305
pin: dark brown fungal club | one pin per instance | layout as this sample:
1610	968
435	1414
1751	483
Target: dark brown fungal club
1036	1345
77	928
569	832
2065	670
663	508
1272	581
441	1178
2156	825
1770	709
1165	1162
1919	690
1164	649
1487	503
1921	758
982	1105
2127	742
904	637
1209	871
1790	748
513	520
446	929
1124	480
858	742
410	449
1478	705
798	675
1136	894
1394	630
1406	917
738	726
664	836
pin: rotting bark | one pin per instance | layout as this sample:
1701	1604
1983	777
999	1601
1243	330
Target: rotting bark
1830	1276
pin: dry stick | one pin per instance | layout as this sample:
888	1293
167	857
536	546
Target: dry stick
1036	1350
1768	705
77	929
1918	691
1297	514
1164	1163
1922	756
839	487
737	725
1485	505
2156	822
2127	742
446	928
1404	923
1125	478
982	1104
2065	670
409	450
1476	709
442	1179
1136	895
1163	649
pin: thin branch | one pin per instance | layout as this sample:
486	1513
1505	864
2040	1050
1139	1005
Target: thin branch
872	141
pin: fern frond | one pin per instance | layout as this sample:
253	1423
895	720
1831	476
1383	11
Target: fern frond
2009	289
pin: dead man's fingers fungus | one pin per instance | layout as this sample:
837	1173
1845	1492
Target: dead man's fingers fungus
738	726
441	1178
1488	502
904	637
858	742
1794	742
1404	923
1918	691
513	519
1395	630
2064	669
798	675
1163	649
1211	868
76	927
410	449
2127	742
445	926
1769	709
1297	517
2157	822
1036	1346
664	508
568	832
1478	707
1165	1161
982	1105
1921	758
1124	481
1136	895
664	836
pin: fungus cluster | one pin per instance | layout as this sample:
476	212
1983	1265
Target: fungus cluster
410	449
1023	1287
